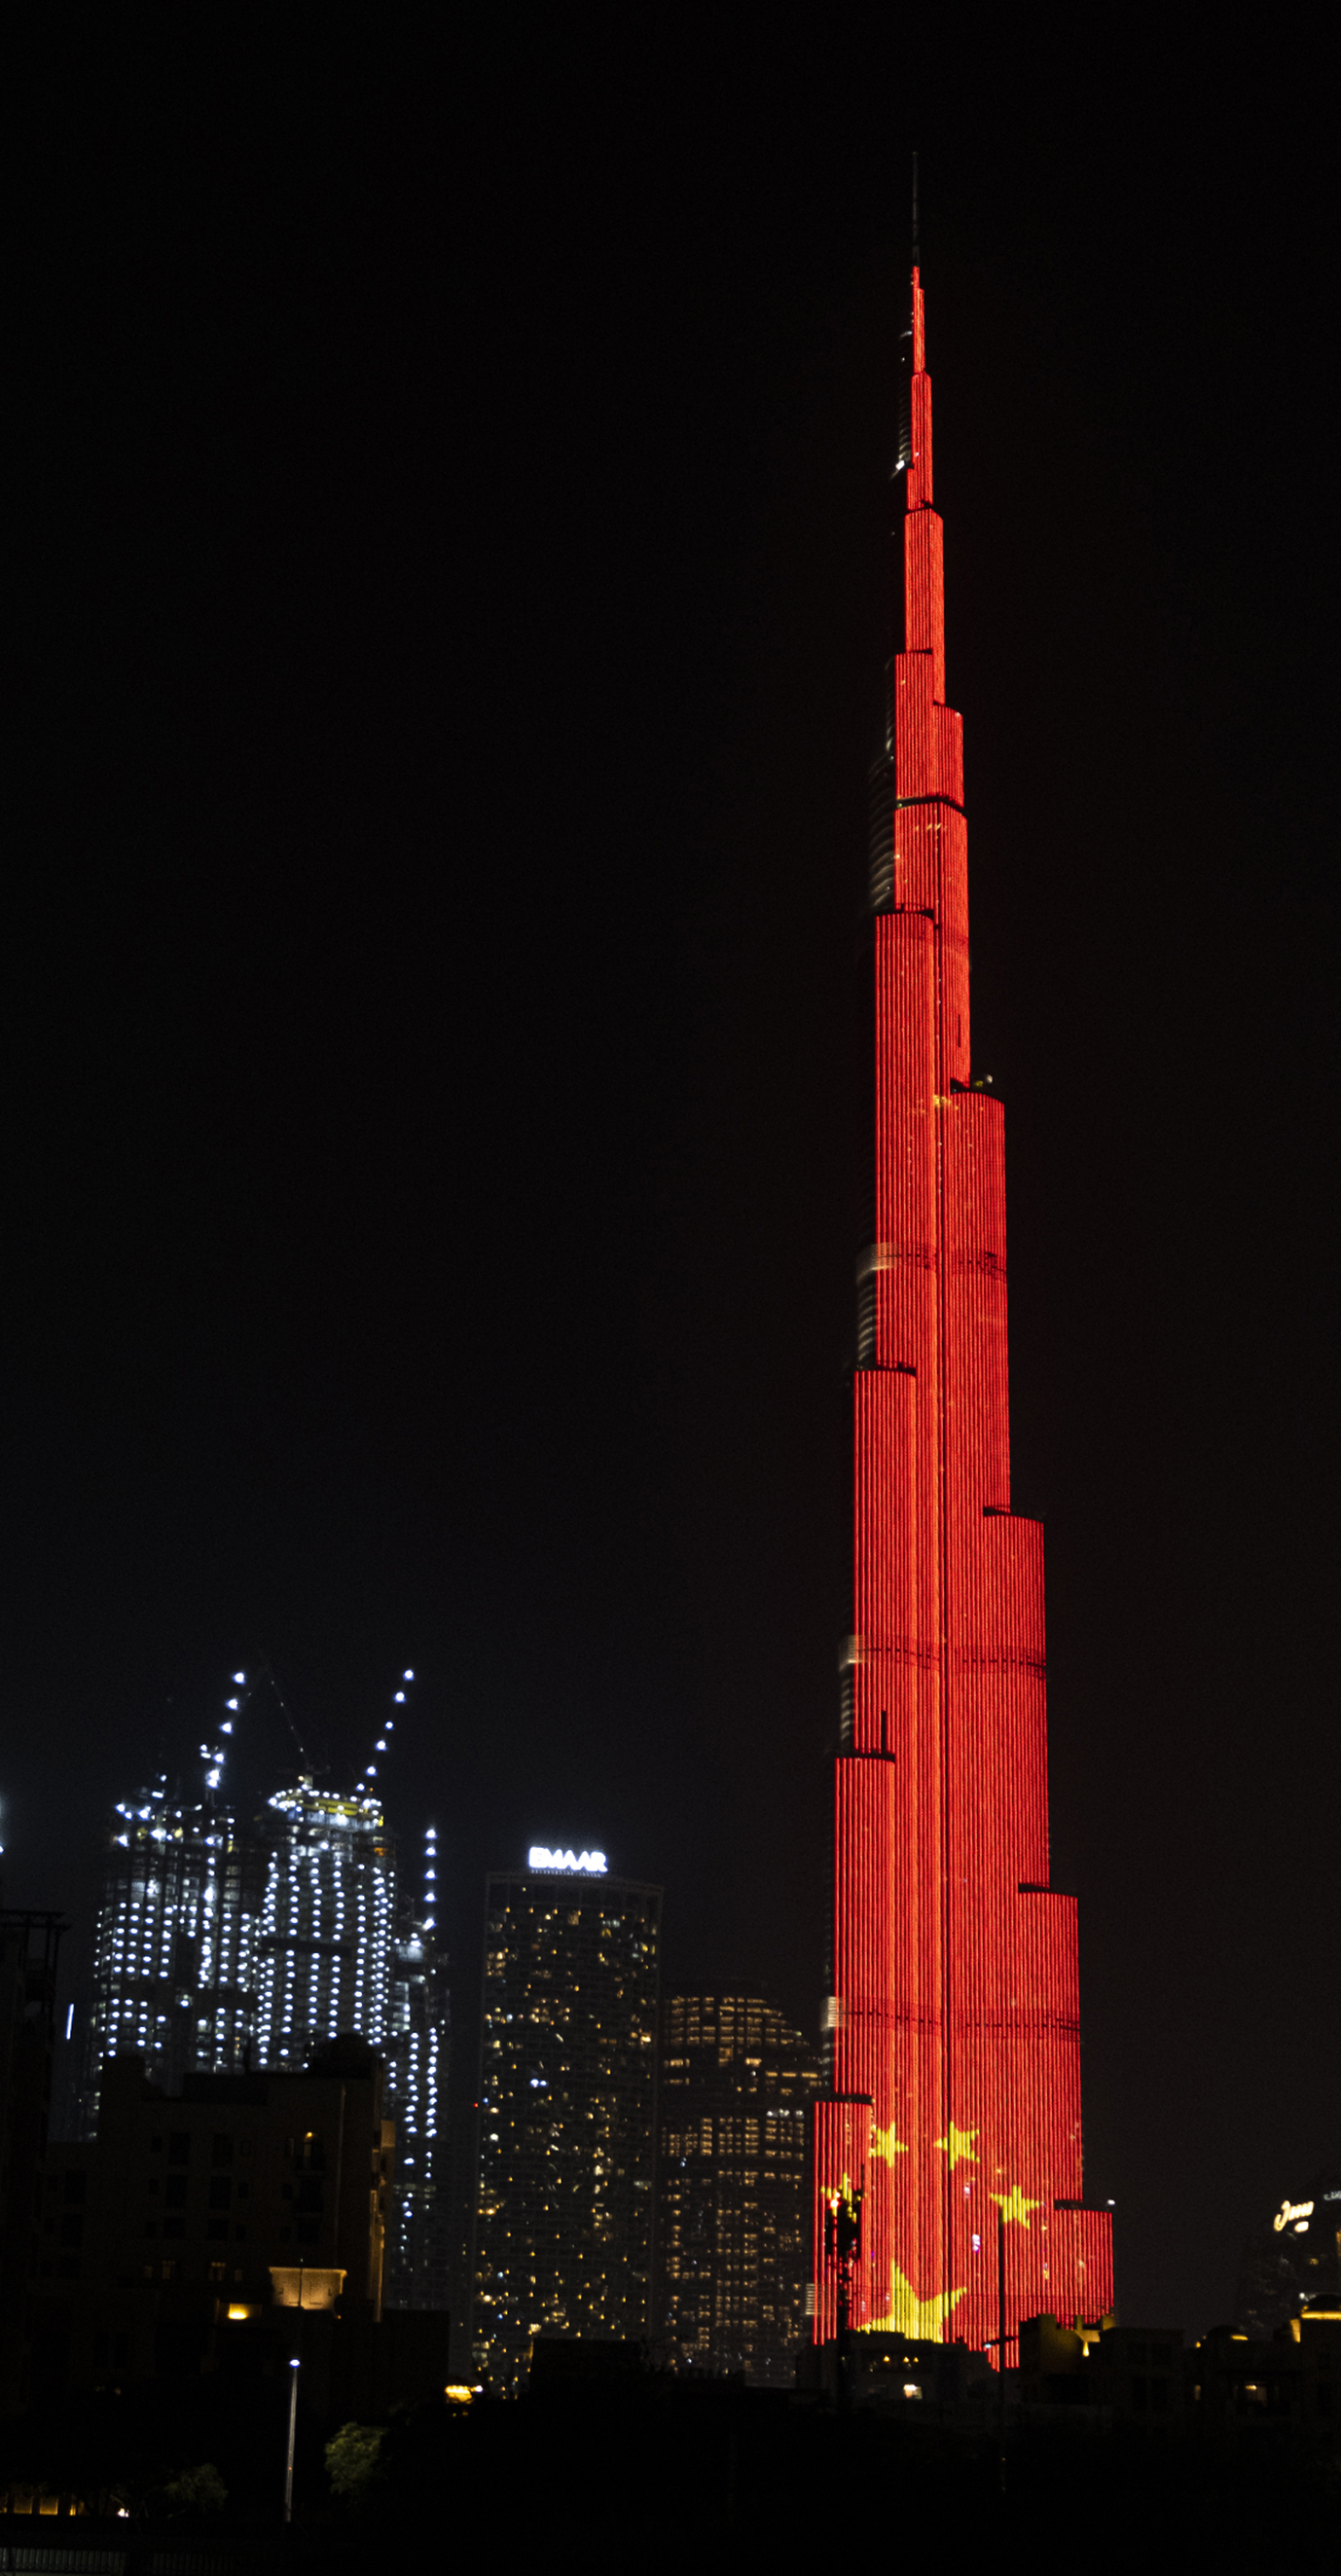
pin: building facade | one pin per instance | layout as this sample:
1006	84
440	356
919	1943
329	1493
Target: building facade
954	2108
563	2201
735	2084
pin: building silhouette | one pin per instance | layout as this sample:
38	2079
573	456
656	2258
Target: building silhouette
954	2108
735	2083
215	2228
563	2195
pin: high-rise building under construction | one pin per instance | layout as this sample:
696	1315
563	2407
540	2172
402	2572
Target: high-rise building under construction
224	1943
175	1948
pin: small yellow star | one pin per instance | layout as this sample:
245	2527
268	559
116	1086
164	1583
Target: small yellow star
959	2146
1012	2204
885	2146
921	2319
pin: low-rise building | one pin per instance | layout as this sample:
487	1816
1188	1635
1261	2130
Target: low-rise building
1292	2379
213	2227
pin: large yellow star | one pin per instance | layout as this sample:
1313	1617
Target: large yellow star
885	2146
1012	2204
959	2146
923	2320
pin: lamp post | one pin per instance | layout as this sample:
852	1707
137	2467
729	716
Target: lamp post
293	2430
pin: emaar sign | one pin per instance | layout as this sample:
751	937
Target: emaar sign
590	1863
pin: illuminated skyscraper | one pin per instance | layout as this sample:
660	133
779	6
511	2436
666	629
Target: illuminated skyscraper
563	2200
418	2259
955	2012
736	2081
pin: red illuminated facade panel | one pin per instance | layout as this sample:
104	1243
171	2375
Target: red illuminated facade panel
955	2108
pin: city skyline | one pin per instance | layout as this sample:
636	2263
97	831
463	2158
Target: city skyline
448	602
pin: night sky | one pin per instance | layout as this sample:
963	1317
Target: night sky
447	580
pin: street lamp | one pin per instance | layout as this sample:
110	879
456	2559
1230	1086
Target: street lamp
293	2429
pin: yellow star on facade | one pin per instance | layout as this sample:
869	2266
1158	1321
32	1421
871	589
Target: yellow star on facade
959	2146
1012	2204
885	2146
923	2320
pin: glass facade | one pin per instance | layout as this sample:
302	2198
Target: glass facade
564	2192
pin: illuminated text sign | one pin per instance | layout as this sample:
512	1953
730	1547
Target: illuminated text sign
591	1863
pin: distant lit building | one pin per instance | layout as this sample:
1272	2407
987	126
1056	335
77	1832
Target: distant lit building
418	2254
735	2082
1294	2256
564	2190
327	1923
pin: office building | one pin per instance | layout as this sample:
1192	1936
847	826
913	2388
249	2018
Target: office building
418	2046
954	2015
566	2136
735	2084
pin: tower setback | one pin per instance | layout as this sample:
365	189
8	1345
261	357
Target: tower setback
954	2018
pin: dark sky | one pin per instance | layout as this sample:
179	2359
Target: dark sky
447	569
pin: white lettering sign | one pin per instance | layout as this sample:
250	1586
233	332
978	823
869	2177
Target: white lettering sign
591	1863
1291	2209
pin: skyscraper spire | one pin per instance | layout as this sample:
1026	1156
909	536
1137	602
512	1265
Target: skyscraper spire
955	2102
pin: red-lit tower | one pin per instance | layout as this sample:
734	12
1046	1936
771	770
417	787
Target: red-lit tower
955	2010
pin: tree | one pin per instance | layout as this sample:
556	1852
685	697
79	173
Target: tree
199	2490
353	2461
